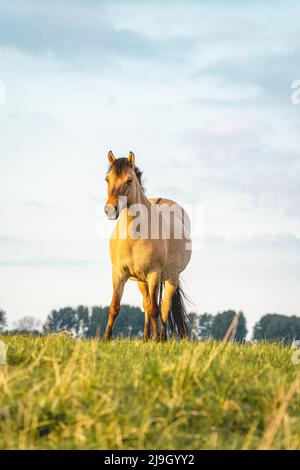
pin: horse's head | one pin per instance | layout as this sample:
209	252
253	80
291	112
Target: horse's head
123	183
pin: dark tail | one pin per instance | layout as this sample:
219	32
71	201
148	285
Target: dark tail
178	320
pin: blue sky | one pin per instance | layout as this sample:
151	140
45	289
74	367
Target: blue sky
201	92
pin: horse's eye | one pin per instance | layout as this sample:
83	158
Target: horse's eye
129	182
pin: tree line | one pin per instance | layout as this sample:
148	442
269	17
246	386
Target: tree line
82	322
85	322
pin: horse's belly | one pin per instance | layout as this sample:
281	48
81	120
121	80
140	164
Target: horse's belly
134	278
178	258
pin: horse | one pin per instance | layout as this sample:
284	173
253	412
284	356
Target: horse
151	244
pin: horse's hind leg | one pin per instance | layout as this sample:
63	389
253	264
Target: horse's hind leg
114	306
166	304
143	286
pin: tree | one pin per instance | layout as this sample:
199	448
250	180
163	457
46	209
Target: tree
97	322
75	320
130	321
27	323
222	321
61	320
82	321
3	320
193	325
205	325
275	327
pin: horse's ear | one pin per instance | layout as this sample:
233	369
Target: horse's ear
131	158
111	158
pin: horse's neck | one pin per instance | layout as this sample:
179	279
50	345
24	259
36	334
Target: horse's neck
141	199
141	208
141	203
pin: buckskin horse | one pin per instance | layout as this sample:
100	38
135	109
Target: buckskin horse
150	244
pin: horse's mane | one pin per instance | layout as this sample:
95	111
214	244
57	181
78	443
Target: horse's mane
121	165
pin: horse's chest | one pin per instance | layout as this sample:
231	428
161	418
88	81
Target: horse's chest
138	264
137	259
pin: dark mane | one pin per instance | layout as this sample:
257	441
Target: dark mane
121	165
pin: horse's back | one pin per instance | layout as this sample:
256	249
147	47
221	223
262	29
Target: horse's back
180	216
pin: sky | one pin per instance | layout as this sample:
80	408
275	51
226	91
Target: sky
201	92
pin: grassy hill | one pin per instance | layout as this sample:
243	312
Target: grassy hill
59	393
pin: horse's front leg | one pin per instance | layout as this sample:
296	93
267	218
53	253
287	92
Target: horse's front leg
153	287
143	286
118	285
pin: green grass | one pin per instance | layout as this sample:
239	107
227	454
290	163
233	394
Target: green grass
56	393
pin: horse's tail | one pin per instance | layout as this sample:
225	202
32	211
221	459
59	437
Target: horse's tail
178	320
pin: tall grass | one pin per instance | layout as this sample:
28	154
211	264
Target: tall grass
56	393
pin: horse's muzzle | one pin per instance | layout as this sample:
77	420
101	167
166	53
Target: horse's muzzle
111	211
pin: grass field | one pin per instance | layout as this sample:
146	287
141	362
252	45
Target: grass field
56	393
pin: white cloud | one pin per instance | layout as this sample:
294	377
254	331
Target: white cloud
201	93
